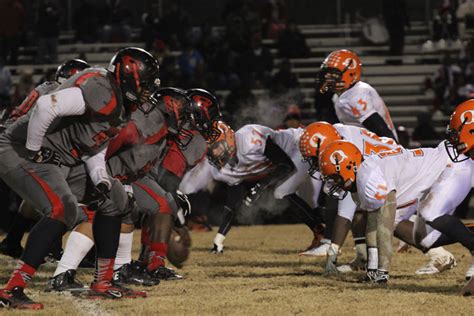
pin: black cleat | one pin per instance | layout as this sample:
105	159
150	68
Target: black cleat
9	250
112	290
215	249
16	298
376	276
165	273
65	282
133	273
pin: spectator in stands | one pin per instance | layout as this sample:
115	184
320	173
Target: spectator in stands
425	129
119	29
12	17
465	16
256	63
292	118
273	16
284	79
396	19
445	25
191	65
174	26
47	28
86	22
224	66
23	87
5	88
149	30
292	43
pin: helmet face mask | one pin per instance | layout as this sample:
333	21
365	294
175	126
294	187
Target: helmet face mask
136	72
339	71
222	150
339	163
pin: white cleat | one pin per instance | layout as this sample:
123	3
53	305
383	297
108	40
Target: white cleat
438	264
358	264
320	251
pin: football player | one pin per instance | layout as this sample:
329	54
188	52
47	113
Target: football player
250	161
11	245
394	184
359	104
314	139
86	110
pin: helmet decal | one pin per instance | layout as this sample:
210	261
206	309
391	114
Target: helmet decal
337	157
467	117
317	139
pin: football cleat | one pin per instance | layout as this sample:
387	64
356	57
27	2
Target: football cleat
16	298
358	264
319	251
376	276
135	274
217	249
112	290
438	264
165	273
65	282
9	250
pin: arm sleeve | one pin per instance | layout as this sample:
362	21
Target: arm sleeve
375	123
97	169
282	162
67	102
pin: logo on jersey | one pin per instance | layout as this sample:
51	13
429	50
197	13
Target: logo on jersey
313	141
467	117
337	157
350	63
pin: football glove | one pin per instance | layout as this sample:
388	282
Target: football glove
45	155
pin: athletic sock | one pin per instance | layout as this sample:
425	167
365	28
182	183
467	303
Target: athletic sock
361	248
106	231
77	247
157	255
21	275
373	258
124	251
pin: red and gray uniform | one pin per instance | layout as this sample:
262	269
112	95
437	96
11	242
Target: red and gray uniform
76	121
30	100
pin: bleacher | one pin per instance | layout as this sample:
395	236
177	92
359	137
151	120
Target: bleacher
400	85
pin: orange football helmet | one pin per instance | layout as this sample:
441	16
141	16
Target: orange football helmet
339	162
339	71
221	147
460	132
316	136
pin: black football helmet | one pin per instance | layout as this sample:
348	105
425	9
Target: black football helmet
69	68
136	72
176	107
205	109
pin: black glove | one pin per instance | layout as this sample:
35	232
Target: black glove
45	155
254	194
183	202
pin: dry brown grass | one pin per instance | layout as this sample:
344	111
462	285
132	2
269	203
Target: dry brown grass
260	273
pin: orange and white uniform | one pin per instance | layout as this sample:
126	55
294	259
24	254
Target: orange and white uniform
369	144
359	102
252	164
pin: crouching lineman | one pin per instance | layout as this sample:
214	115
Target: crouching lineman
11	245
387	181
254	159
86	110
314	140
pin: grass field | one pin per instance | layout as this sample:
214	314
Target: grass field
260	273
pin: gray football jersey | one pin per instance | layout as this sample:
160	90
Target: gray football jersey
75	137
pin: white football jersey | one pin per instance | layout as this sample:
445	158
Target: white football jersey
410	173
250	143
359	102
367	142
